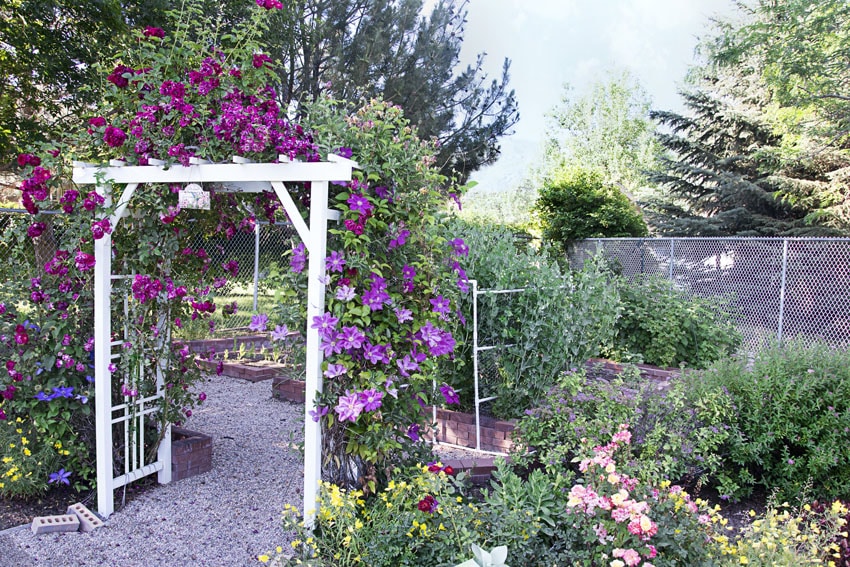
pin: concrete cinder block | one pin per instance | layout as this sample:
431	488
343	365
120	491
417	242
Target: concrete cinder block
88	520
50	524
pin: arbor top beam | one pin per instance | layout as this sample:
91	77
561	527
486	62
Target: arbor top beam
337	169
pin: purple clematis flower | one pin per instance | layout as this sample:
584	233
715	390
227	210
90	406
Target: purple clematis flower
280	333
371	399
60	476
335	262
449	394
349	407
345	293
335	370
326	323
259	322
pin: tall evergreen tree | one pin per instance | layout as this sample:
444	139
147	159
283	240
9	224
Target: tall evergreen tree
724	174
358	49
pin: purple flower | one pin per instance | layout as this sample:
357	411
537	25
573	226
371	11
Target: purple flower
330	344
114	137
408	272
429	334
280	333
449	394
335	262
326	323
345	293
374	299
403	314
60	476
84	262
298	259
463	285
63	392
376	353
440	305
413	432
371	399
351	338
344	152
407	365
319	413
359	203
349	407
459	247
259	322
335	370
399	240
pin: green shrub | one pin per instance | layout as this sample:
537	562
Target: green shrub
792	419
576	204
666	327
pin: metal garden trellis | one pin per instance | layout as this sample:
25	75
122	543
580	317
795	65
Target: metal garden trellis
240	176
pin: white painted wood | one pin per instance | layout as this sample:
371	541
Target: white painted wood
313	368
217	173
292	211
102	377
245	176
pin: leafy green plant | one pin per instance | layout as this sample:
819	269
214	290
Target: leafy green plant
792	415
420	518
667	327
558	319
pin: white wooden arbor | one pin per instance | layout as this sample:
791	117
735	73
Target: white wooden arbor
240	176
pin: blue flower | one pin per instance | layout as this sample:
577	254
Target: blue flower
63	392
60	476
43	397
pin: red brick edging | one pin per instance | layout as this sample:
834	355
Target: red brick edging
191	453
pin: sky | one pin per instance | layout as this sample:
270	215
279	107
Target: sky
555	42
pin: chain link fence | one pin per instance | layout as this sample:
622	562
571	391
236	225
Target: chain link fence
257	254
778	288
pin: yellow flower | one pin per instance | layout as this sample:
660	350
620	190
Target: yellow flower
263	558
27	452
743	560
24	441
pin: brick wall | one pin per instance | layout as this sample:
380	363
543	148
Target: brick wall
284	388
458	428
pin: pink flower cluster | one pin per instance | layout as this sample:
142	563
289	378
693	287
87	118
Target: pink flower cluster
619	506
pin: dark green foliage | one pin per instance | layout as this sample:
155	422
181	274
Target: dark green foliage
387	49
47	49
724	175
792	420
668	327
576	204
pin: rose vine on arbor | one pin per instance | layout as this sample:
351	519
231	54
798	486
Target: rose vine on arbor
186	94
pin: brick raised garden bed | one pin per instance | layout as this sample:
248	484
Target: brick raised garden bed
285	388
191	453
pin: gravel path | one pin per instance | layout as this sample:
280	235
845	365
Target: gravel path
223	518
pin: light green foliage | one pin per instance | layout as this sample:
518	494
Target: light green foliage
560	319
665	326
496	557
607	130
577	203
791	420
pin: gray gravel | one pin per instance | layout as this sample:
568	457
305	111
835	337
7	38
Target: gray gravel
225	517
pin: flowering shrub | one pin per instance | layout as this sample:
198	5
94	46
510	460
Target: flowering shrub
393	283
632	523
792	408
785	537
185	93
423	520
675	436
